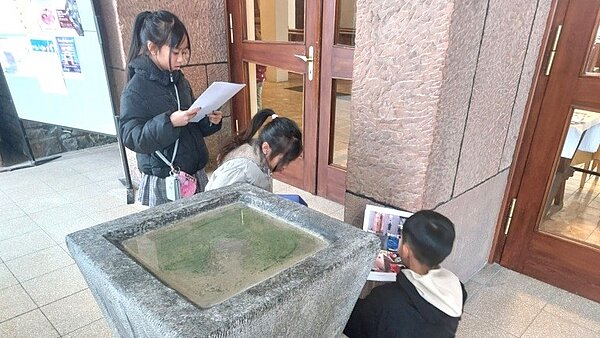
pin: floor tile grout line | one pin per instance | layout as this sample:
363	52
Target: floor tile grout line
569	320
26	280
533	320
587	239
89	324
488	323
33	252
32	221
26	312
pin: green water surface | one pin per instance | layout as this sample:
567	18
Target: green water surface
218	254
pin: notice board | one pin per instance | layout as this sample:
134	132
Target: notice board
51	56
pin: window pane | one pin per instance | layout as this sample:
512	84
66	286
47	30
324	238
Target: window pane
275	20
340	123
592	65
346	23
278	89
573	205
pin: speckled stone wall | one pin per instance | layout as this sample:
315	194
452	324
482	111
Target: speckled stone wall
461	62
437	107
398	71
498	71
205	21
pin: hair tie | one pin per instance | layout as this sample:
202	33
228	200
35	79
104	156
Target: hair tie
274	116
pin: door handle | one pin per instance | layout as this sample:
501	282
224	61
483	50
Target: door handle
309	60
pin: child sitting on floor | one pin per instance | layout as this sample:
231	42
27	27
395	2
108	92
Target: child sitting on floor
426	300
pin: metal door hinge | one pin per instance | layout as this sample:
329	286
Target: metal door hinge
510	216
237	127
553	50
230	28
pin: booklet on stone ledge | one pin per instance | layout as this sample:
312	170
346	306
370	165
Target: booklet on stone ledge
387	224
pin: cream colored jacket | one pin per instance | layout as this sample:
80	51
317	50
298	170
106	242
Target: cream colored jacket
243	164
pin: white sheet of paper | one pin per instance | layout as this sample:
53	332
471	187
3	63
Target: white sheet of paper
214	97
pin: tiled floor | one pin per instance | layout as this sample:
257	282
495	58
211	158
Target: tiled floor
44	295
579	218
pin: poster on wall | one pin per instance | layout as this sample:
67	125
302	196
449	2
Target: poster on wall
68	55
48	67
15	53
57	15
51	67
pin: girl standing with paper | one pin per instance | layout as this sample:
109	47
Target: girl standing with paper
155	115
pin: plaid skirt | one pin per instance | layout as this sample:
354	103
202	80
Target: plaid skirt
153	190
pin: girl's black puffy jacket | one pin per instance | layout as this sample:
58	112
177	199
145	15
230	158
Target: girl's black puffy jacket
147	102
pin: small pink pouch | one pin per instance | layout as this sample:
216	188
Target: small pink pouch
187	184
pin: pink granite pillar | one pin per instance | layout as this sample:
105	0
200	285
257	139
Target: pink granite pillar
438	95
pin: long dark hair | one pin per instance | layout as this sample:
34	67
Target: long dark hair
161	28
282	135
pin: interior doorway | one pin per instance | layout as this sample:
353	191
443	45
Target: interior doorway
296	57
553	229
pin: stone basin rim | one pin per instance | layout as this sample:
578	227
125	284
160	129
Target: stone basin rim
127	275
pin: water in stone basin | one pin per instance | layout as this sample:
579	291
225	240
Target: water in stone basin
221	253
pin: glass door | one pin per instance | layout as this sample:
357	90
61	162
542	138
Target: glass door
274	50
296	57
339	26
555	235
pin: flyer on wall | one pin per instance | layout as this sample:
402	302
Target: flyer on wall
48	67
387	224
68	55
57	16
15	56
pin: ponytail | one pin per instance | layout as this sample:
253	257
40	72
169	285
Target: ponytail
246	136
137	44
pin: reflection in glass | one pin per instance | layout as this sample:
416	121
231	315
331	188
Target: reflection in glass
341	122
573	204
346	23
275	20
279	89
592	65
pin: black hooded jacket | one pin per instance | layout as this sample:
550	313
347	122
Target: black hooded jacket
397	310
147	103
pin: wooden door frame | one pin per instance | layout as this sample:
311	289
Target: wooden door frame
241	51
557	260
331	181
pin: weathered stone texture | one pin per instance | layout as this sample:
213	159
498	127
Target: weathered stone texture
204	20
504	44
118	80
217	72
399	57
533	52
196	75
474	214
465	39
107	10
355	209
